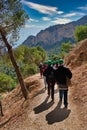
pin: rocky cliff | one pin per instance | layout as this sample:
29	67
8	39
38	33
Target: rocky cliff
53	36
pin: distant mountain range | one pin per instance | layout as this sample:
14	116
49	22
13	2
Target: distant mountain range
53	36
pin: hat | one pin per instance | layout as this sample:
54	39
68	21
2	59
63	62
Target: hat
45	62
49	62
61	61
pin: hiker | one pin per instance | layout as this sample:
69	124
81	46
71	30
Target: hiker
44	77
41	69
61	75
55	66
50	79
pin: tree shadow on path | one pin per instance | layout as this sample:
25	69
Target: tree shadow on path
43	106
58	114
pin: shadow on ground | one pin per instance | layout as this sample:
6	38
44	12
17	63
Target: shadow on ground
58	114
43	106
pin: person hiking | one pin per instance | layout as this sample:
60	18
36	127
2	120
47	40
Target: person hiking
61	75
41	69
50	79
44	77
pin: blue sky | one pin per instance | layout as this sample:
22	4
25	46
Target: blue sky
45	13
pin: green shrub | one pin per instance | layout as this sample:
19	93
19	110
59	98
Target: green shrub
28	70
32	69
81	33
6	83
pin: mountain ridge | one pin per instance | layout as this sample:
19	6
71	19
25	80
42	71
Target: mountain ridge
53	36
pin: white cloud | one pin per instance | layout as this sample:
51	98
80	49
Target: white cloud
61	21
42	8
28	26
46	19
70	14
83	7
34	26
33	20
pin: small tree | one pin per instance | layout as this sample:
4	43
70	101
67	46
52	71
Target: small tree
66	47
12	18
81	33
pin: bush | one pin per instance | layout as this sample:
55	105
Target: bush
28	70
81	33
6	83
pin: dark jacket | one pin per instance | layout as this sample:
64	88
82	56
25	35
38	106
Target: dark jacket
61	75
49	73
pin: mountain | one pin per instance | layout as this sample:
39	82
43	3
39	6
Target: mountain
53	36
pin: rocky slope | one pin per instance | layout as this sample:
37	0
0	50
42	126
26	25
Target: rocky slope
77	61
53	36
78	56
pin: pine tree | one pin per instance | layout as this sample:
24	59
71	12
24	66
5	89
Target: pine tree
12	18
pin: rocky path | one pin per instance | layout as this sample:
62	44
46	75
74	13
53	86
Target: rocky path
46	115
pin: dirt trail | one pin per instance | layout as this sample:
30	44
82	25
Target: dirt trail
48	115
42	114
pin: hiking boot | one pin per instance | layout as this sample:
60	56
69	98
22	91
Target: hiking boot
60	100
48	93
65	106
52	100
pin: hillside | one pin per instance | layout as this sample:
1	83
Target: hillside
38	113
53	36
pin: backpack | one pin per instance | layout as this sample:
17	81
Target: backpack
51	75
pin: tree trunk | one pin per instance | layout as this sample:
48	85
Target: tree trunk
20	78
1	109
